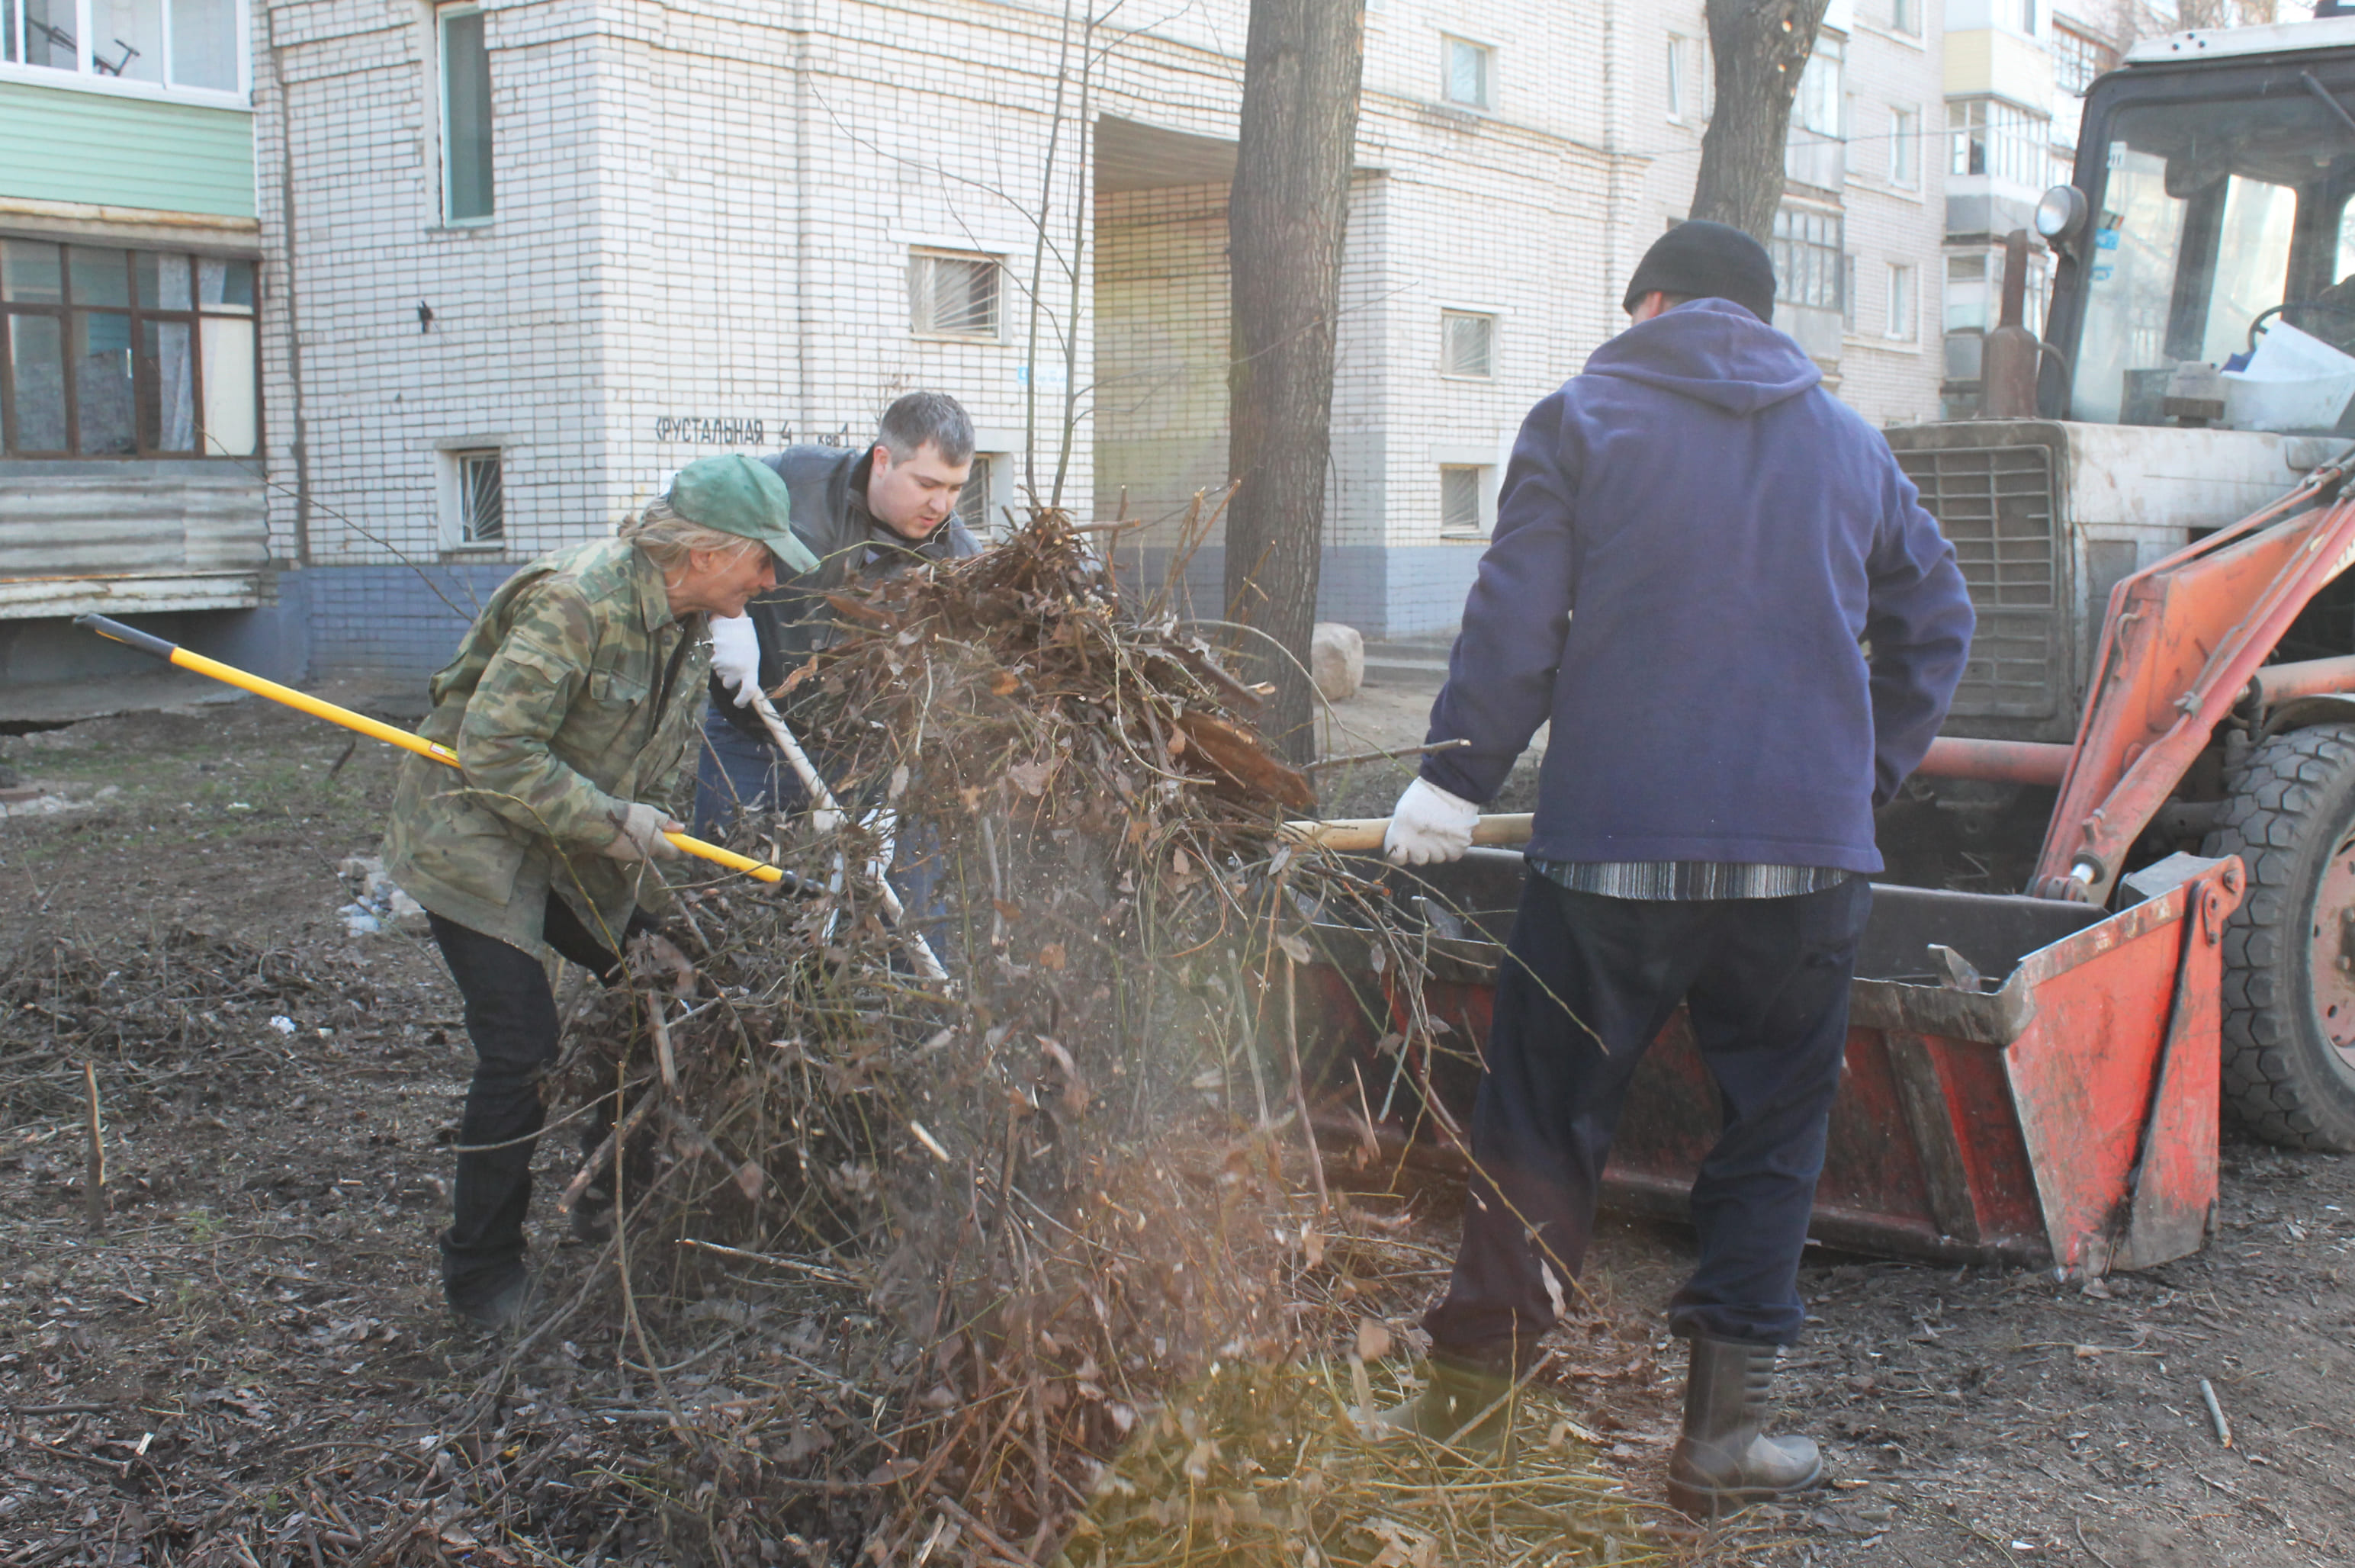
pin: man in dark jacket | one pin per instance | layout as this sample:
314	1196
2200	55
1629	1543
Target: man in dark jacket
865	514
1694	544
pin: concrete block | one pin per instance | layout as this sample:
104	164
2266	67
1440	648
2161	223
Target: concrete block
1337	660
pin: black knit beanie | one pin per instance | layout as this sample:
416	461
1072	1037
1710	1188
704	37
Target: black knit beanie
1706	261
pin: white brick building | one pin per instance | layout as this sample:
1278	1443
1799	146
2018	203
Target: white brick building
737	223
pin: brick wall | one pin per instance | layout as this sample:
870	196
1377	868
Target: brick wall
705	217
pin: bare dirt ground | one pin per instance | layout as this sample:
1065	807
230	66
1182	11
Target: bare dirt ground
255	1330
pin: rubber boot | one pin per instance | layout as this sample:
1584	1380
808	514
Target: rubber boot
1465	1408
1724	1461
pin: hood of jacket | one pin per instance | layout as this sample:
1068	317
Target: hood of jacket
1711	351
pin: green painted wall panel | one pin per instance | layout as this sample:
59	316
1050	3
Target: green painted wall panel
124	152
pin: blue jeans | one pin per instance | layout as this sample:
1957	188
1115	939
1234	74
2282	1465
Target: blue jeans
1765	983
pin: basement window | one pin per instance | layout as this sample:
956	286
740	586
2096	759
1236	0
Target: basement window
973	508
474	499
1463	500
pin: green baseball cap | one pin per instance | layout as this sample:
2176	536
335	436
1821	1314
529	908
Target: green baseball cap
741	496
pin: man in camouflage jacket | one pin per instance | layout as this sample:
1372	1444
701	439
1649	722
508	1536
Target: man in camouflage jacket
571	706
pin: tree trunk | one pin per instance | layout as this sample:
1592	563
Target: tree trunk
1760	46
1285	215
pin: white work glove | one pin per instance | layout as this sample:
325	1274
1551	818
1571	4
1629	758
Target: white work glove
639	836
1428	825
736	656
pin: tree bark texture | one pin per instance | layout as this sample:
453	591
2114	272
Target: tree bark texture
1760	46
1286	216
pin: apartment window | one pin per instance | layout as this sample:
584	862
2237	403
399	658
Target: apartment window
1809	264
166	44
1975	291
107	353
1967	294
952	295
465	115
1467	343
1900	327
1992	137
2078	57
1460	487
1905	147
467	184
1905	17
1848	293
1468	67
1818	105
478	512
1815	151
1683	100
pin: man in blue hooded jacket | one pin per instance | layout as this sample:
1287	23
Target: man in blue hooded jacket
1695	545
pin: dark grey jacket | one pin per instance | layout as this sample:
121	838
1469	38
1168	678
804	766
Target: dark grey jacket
828	486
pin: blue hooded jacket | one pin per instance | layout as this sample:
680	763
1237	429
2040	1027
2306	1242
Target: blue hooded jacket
1691	539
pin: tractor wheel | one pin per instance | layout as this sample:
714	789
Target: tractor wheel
2289	951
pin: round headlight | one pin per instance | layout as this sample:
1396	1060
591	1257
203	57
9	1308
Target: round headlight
2061	214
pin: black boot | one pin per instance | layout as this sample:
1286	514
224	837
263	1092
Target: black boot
1724	1461
1466	1407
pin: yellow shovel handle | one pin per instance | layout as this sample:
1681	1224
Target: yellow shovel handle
392	735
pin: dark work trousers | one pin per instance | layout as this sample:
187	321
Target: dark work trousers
735	773
511	1018
738	773
1765	983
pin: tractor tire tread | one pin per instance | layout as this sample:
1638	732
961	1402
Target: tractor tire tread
2271	815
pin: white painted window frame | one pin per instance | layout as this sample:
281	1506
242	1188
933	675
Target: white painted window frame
1495	321
1906	146
1448	43
83	79
1902	315
450	458
437	15
919	254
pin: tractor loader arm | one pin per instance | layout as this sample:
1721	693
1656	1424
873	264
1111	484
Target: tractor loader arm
2182	644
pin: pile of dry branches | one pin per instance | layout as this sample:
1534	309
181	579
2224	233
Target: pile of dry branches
955	1272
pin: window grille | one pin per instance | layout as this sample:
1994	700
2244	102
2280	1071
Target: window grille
973	501
482	499
1467	343
1459	500
953	296
107	352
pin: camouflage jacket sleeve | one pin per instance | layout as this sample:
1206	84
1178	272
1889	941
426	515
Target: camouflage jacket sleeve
528	688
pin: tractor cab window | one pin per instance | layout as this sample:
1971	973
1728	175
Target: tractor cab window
2216	219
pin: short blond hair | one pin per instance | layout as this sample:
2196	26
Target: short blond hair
668	538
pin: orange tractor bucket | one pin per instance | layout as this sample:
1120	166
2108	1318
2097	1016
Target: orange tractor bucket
2058	1107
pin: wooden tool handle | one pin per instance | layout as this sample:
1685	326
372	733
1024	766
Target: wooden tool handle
1363	835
